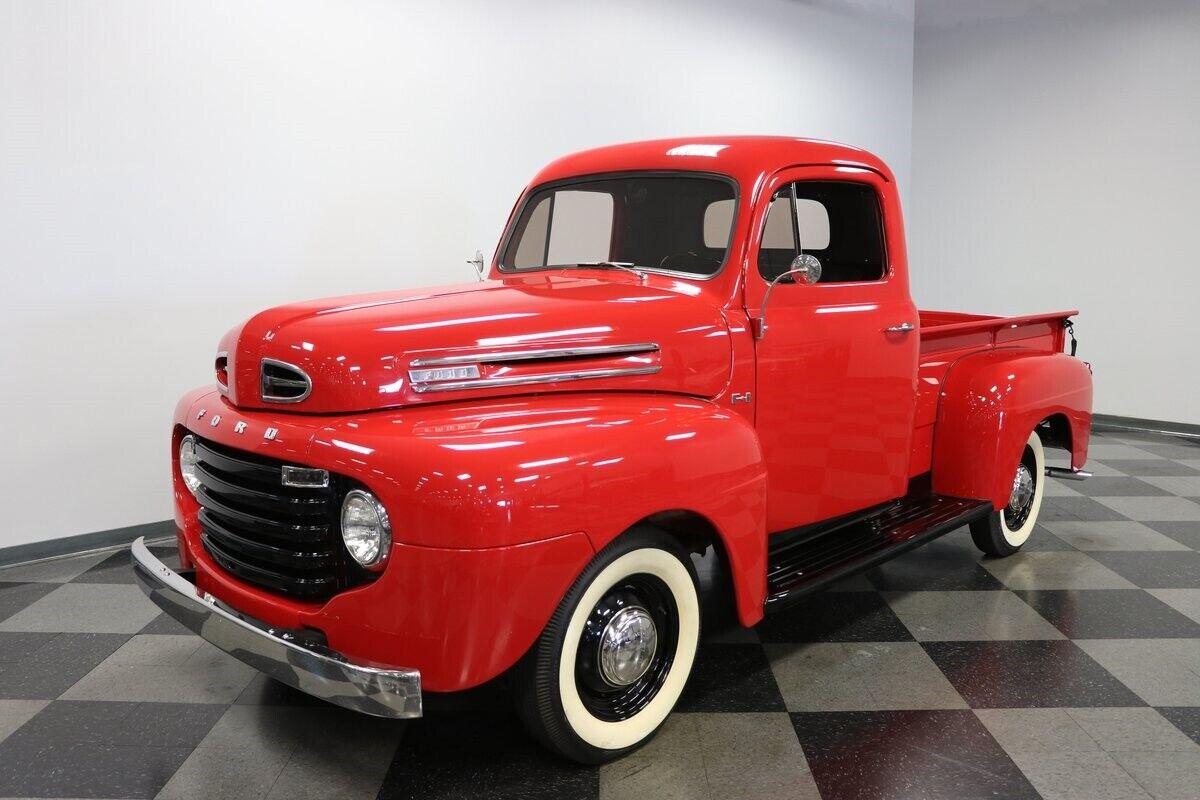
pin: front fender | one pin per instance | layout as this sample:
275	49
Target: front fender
990	403
498	474
495	507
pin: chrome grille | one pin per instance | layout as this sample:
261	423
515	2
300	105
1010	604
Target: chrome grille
280	538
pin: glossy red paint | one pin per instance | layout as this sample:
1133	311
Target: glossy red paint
836	390
494	499
358	349
500	496
991	401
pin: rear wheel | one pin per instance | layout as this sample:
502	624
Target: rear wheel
614	658
1002	532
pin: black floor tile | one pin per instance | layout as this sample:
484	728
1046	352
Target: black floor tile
1178	569
861	755
1073	509
1111	614
731	677
947	564
835	617
102	748
79	721
1151	467
85	769
481	756
165	624
1186	533
1025	674
168	724
1042	540
117	568
19	646
16	596
1187	719
1114	486
55	666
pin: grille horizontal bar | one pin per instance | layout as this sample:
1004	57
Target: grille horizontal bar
278	537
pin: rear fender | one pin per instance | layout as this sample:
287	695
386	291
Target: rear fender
990	403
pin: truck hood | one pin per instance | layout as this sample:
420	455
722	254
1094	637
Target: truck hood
521	335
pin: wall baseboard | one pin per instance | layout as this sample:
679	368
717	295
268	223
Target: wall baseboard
1112	422
84	542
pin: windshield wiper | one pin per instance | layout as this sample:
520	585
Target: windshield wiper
627	266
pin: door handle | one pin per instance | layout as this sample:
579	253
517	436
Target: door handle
903	327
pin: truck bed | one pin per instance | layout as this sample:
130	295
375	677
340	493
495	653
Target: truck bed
946	331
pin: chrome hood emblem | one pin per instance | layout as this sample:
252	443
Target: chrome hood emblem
281	382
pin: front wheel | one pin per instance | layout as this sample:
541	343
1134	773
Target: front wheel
1002	532
614	658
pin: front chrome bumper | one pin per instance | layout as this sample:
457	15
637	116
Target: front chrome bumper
394	693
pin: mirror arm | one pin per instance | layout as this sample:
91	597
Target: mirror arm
759	324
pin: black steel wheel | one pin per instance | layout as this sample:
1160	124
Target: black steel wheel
613	660
1002	532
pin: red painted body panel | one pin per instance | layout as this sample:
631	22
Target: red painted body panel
495	500
499	497
836	391
991	401
358	349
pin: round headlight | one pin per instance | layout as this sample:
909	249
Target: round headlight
188	462
365	528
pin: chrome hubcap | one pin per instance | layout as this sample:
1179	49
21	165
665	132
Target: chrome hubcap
1022	490
627	646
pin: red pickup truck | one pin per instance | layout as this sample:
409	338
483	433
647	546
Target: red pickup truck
679	345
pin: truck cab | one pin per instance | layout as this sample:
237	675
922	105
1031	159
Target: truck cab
679	347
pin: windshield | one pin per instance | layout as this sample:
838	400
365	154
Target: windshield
658	222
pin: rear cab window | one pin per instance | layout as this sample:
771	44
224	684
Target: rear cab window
839	222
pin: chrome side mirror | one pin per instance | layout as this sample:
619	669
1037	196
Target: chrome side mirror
804	268
478	263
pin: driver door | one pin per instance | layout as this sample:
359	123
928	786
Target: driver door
836	382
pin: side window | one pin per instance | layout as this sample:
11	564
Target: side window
838	222
718	221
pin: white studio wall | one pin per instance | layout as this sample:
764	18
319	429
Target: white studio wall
1054	166
171	167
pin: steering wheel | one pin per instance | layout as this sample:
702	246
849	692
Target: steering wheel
690	258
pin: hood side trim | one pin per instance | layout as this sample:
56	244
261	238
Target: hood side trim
549	377
543	354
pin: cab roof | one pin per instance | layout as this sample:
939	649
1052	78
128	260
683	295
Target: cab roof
746	159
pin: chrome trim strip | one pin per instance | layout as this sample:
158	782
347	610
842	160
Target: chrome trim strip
538	355
392	693
547	377
274	399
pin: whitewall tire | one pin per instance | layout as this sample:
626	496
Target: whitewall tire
613	660
1002	532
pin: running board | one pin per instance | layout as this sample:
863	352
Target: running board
800	564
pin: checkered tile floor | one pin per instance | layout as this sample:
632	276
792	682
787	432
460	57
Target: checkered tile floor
1069	670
